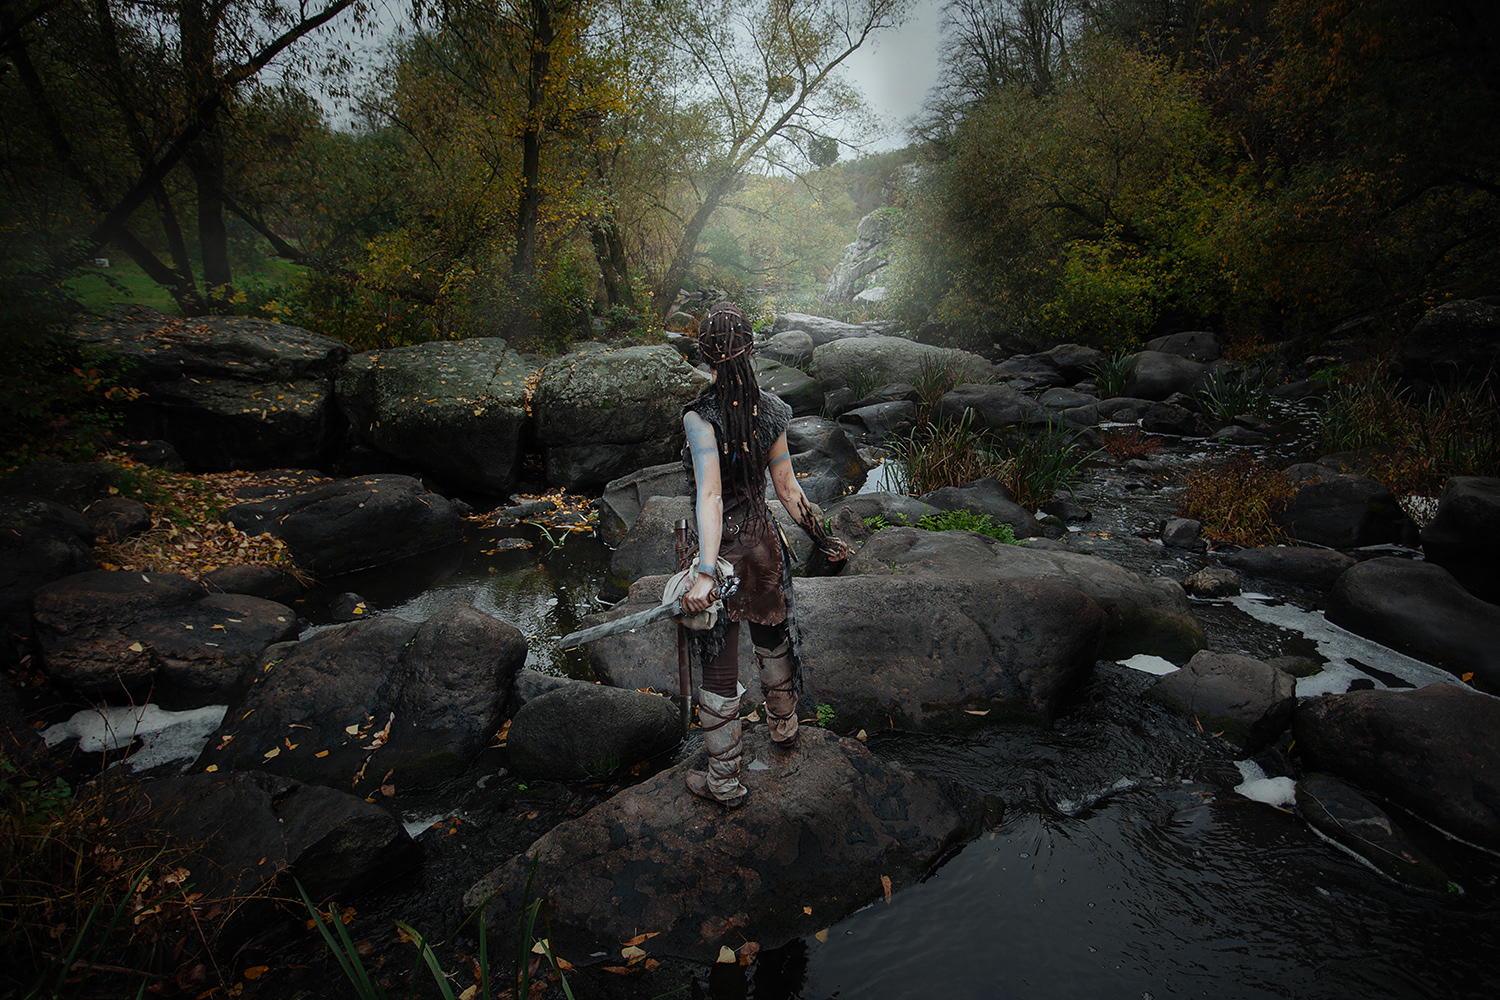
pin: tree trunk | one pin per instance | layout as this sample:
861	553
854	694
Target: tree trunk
544	34
614	267
687	247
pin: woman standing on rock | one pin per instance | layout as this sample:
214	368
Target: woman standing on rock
735	434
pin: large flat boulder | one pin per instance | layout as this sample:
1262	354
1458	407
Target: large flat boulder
820	828
602	413
119	634
819	329
228	392
452	408
1434	751
382	701
1142	616
872	361
1298	564
993	406
1464	536
348	524
933	654
1421	610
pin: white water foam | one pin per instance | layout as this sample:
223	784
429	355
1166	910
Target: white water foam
1148	664
1340	647
1280	792
165	736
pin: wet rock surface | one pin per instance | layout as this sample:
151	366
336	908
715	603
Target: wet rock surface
800	391
1431	750
820	827
1421	610
376	702
349	524
1343	813
40	541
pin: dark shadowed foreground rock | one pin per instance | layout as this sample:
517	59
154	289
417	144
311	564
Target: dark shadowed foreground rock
1340	510
920	652
1143	616
115	633
827	463
358	702
40	541
1248	701
1419	609
819	829
74	485
453	408
246	831
1309	567
1350	818
350	524
1464	536
1433	751
589	731
1459	341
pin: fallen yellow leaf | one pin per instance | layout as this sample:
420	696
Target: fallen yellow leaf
321	753
822	935
632	953
885	884
272	752
977	711
256	971
726	956
807	910
211	768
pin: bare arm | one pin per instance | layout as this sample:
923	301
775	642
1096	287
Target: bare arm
789	492
704	449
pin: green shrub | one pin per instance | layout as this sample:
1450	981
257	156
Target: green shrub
949	454
1109	375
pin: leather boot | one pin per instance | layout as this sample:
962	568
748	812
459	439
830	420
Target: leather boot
719	718
780	692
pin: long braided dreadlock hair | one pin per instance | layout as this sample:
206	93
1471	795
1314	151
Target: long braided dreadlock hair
725	339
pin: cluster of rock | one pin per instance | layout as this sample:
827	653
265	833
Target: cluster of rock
235	393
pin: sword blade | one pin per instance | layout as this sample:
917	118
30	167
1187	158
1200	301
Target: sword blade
625	624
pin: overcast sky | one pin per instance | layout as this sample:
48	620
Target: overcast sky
896	72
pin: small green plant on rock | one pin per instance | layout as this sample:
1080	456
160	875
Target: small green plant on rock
966	520
1046	464
1109	375
1229	394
